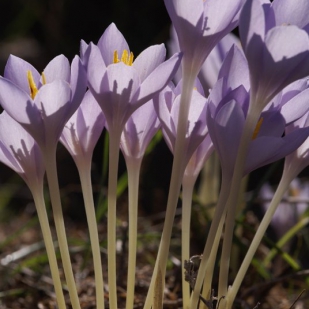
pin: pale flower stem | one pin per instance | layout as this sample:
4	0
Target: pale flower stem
52	178
206	269
187	193
39	202
231	206
114	142
133	167
281	189
85	178
175	184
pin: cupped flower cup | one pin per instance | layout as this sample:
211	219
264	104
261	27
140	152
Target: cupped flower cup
276	45
120	85
43	104
20	152
139	130
79	137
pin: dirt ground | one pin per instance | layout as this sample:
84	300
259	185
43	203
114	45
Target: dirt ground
25	281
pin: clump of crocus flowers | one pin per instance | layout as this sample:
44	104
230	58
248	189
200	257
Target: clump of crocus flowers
249	104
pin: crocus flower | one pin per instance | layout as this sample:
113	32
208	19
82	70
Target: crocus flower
277	52
121	84
137	134
83	130
42	104
167	105
80	136
267	145
20	152
200	25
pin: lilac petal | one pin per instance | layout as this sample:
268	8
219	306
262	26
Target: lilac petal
273	124
284	63
19	151
235	69
112	40
115	96
221	15
149	59
84	128
211	67
266	150
83	47
16	71
14	100
292	12
296	107
158	79
225	132
53	100
78	83
95	61
139	130
58	68
187	18
252	24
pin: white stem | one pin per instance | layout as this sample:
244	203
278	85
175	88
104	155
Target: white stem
84	170
133	167
39	202
187	193
281	189
175	184
49	156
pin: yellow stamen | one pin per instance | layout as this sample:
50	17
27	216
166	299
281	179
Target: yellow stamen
43	78
257	128
126	58
33	88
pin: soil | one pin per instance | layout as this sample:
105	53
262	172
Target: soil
25	281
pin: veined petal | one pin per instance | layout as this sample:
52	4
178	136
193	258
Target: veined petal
149	59
235	69
158	79
293	12
58	68
116	91
53	101
112	40
78	83
296	107
94	74
16	101
16	71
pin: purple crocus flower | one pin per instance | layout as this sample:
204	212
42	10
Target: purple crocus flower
200	25
226	123
167	106
20	152
42	104
277	52
83	129
119	84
